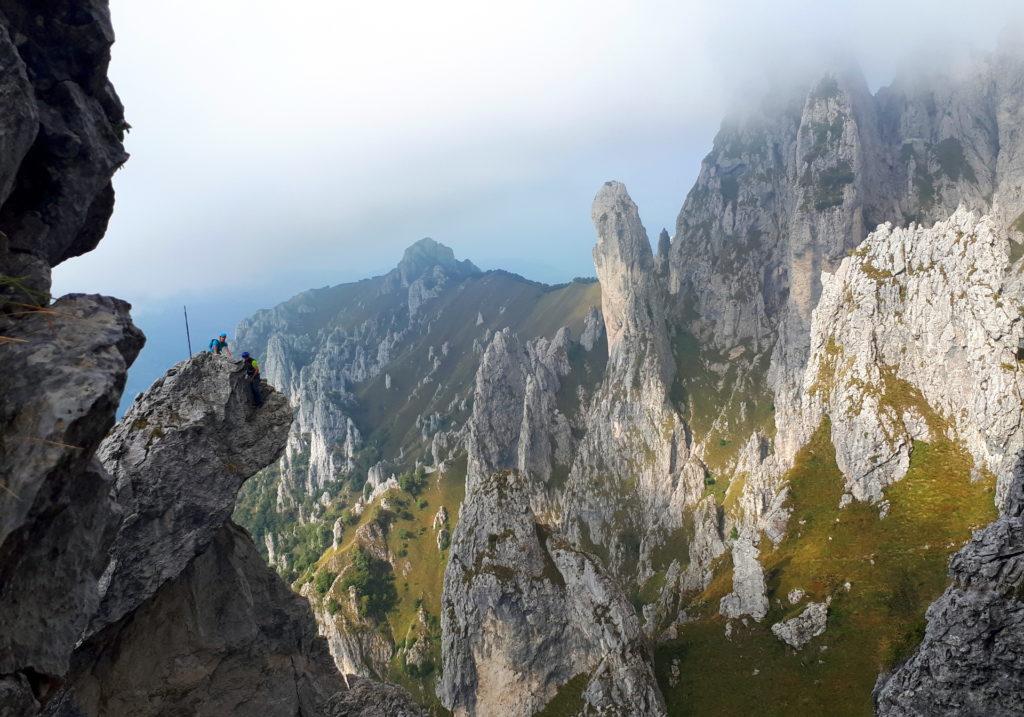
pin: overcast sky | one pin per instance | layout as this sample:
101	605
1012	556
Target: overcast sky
282	145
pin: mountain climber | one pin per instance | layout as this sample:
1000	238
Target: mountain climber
252	374
220	343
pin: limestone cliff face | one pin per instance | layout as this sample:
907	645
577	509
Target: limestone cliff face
517	423
913	339
791	188
634	471
518	616
758	273
915	334
518	603
793	185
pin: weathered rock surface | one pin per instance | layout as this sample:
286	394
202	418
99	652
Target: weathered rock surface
971	660
365	698
64	369
224	637
914	339
803	628
517	422
748	590
178	458
65	126
519	601
518	613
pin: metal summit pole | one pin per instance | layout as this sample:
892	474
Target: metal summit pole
187	335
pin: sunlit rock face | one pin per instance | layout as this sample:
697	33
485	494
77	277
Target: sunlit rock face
758	270
916	335
634	472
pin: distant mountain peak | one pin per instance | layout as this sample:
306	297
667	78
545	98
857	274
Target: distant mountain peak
425	254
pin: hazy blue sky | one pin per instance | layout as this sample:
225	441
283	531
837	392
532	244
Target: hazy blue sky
282	145
308	142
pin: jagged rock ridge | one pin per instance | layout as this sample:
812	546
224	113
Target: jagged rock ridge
519	601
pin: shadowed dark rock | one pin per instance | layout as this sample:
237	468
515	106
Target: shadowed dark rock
64	369
62	197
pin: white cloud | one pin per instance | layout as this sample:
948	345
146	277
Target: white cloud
312	140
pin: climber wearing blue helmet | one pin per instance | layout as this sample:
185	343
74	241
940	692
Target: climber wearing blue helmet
252	374
220	343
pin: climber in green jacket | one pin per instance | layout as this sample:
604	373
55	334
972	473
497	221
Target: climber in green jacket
252	374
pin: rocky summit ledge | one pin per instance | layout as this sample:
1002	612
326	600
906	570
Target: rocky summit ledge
178	458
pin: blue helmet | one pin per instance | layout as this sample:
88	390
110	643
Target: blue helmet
223	335
245	354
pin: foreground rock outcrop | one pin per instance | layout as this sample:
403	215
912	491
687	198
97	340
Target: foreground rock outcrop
178	458
64	369
224	637
971	660
191	619
65	363
64	127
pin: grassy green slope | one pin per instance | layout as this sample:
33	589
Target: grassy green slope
418	571
895	567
